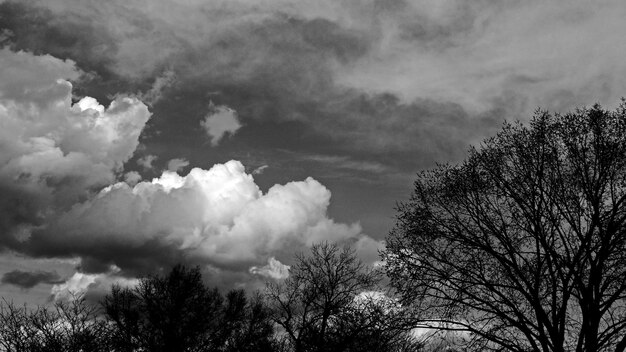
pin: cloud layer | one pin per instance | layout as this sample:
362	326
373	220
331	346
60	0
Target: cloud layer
519	55
284	67
479	54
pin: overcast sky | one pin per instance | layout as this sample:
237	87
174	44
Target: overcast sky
135	134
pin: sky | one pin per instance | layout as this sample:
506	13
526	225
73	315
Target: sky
137	134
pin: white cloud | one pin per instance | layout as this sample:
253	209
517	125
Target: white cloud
44	135
218	217
176	165
72	287
53	153
219	122
274	269
80	284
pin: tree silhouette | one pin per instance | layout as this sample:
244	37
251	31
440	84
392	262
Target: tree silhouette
523	245
177	312
66	326
318	306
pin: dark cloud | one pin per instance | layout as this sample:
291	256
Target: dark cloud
41	31
30	279
99	255
278	72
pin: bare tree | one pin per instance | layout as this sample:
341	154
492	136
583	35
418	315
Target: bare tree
523	246
247	325
16	334
178	312
72	326
317	307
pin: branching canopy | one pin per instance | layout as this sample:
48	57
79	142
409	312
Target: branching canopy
523	245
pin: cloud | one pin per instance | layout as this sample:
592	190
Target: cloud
58	170
259	170
176	165
53	153
92	286
482	55
285	68
274	269
66	36
369	87
477	54
137	40
344	162
219	122
132	177
155	93
30	279
323	73
217	217
147	161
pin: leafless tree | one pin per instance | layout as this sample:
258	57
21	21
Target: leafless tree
178	312
318	306
72	326
522	247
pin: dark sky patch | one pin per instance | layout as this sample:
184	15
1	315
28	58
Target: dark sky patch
30	279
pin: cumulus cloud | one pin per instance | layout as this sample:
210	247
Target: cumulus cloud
219	122
53	153
30	279
217	217
177	164
274	269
